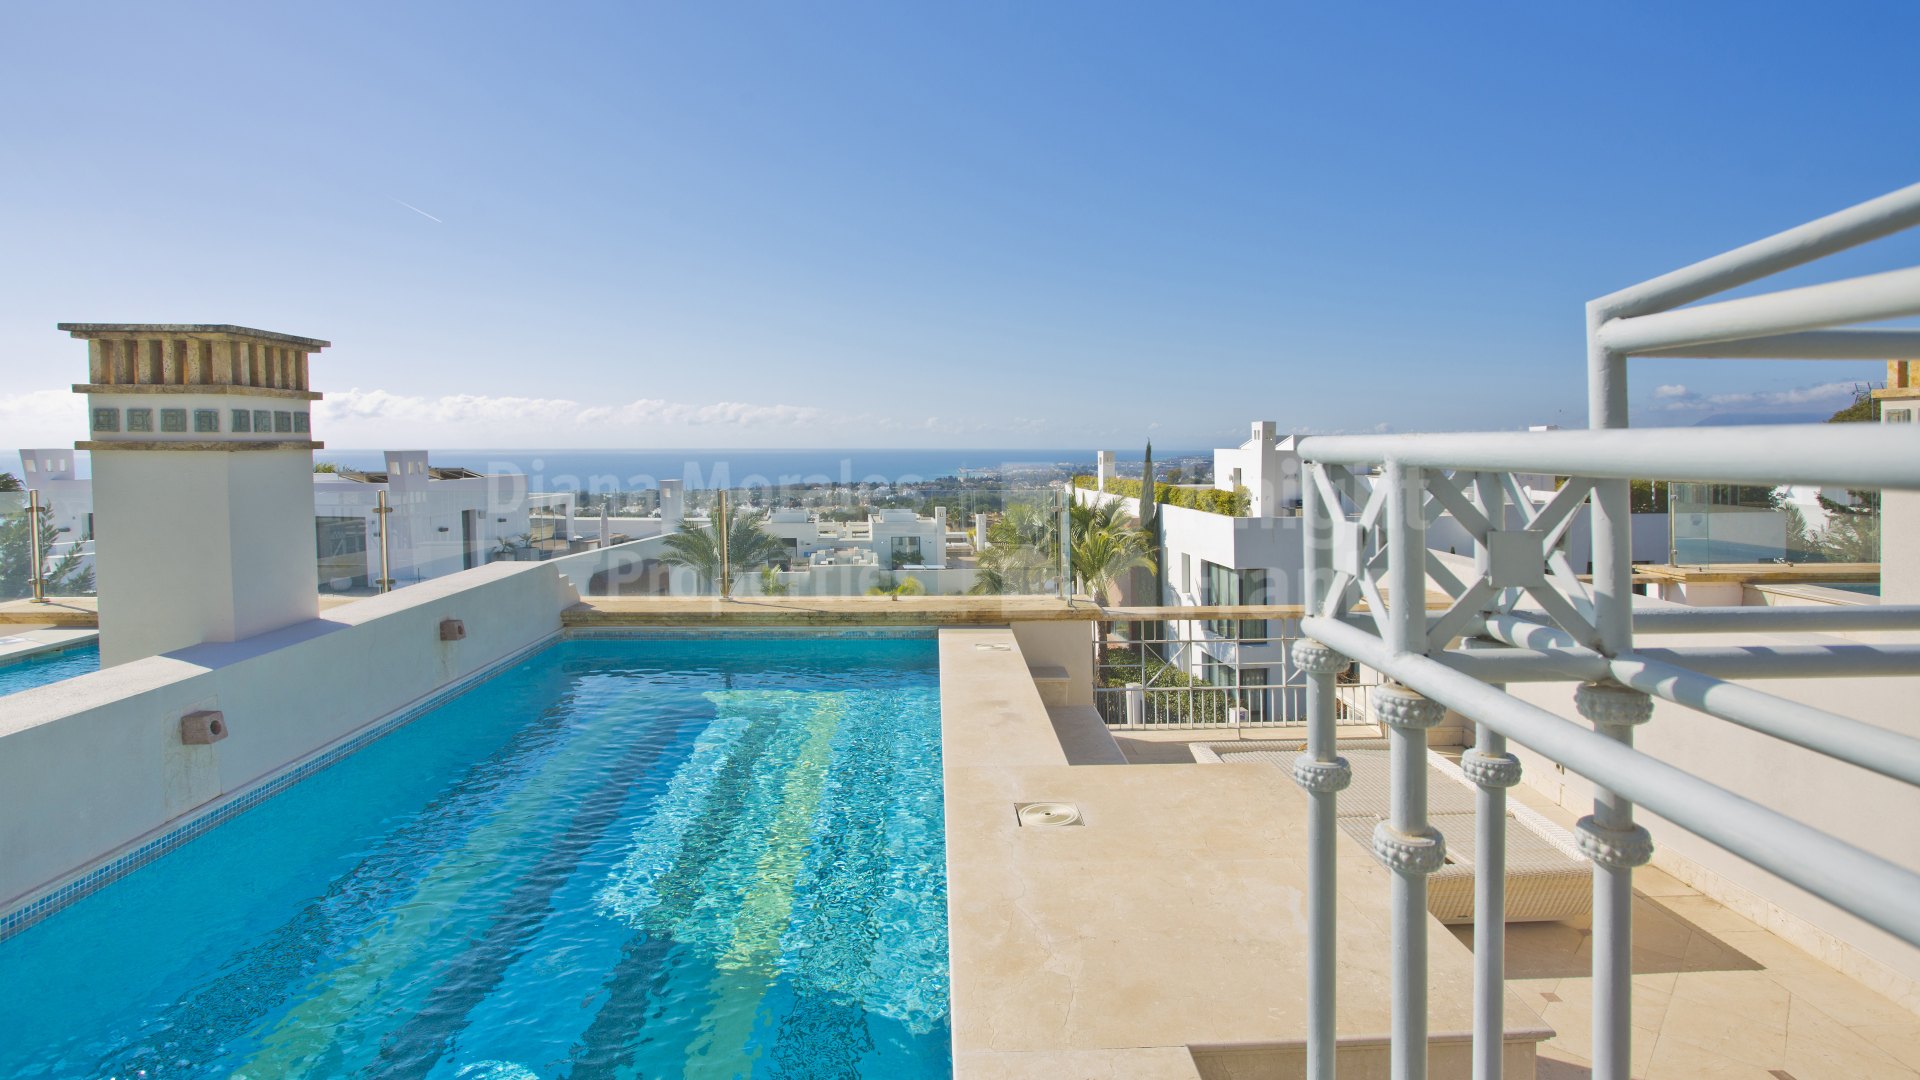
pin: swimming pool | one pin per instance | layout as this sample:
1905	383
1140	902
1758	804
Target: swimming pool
43	668
688	857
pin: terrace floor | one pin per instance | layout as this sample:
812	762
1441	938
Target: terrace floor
1715	995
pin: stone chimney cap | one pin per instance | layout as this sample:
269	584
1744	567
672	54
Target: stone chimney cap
88	330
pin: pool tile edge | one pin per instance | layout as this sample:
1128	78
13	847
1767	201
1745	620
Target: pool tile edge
37	904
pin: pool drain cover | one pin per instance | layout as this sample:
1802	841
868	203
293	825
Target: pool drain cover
1046	815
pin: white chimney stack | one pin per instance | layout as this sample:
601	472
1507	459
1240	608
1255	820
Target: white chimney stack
202	483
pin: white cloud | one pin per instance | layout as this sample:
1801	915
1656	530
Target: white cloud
1676	397
1837	393
38	419
484	409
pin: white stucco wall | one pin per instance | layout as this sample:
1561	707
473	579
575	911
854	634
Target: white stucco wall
624	565
92	764
1063	644
1900	547
243	568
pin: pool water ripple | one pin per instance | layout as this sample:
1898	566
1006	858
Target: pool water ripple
662	858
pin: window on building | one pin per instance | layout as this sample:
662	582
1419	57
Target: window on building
1899	416
906	551
1223	586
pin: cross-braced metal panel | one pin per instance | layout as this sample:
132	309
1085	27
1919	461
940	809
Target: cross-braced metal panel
1452	636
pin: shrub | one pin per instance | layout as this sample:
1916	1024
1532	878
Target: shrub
1235	503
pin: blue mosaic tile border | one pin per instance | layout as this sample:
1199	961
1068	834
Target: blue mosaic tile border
86	881
671	633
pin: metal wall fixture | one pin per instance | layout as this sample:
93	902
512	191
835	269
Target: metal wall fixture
1523	615
383	512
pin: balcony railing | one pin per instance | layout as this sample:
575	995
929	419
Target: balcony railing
1180	672
1523	615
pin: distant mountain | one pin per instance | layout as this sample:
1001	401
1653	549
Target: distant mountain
1744	419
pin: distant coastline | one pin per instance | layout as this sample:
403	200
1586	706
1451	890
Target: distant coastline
633	470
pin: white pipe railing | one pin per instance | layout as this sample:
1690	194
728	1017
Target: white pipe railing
1891	295
1363	541
1861	883
1858	455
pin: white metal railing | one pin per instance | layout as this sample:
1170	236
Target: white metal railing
1220	673
1521	614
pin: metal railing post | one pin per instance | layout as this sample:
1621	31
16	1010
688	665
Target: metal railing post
1616	845
1322	774
1406	843
1066	546
1609	836
726	561
1493	770
381	514
39	556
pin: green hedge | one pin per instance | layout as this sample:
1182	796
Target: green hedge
1212	500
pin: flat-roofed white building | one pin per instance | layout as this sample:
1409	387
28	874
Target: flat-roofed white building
897	539
443	519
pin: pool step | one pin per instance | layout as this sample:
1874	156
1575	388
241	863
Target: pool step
1052	683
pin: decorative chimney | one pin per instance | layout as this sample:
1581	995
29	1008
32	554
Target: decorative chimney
202	483
673	505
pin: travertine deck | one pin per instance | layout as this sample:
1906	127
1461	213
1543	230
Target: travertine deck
84	611
698	611
701	611
1715	995
72	611
1761	573
1166	937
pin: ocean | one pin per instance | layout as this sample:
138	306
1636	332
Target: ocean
632	470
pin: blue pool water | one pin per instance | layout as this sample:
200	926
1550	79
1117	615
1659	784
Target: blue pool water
44	668
667	858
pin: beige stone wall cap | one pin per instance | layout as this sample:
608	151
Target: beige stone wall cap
88	329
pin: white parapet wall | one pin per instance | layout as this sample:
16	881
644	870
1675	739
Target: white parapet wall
635	568
95	767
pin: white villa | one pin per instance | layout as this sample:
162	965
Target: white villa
443	520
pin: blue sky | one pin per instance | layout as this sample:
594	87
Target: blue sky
1058	224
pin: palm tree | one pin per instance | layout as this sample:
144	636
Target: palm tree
697	547
1018	558
1107	548
770	583
897	589
9	482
